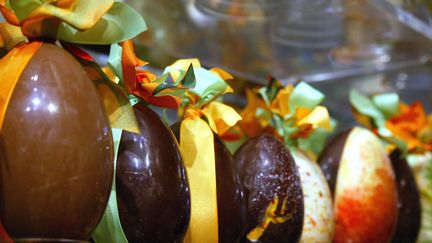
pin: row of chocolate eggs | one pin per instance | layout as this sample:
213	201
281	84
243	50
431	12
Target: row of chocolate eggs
271	160
266	169
375	199
272	197
267	172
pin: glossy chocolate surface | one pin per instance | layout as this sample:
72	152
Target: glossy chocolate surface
267	169
152	187
409	210
55	151
330	158
230	194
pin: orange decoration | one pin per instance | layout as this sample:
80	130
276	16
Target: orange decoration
409	125
141	82
249	123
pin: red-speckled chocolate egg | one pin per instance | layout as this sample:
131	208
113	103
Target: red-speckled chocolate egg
365	193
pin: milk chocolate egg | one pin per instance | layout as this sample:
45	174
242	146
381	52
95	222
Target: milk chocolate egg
230	194
318	223
56	157
272	189
409	216
152	188
365	193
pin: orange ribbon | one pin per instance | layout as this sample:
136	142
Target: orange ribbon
142	83
12	66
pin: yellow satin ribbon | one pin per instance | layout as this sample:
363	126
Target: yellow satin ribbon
10	36
197	149
12	66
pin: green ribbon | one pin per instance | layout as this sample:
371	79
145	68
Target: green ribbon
380	108
185	82
109	229
388	104
306	96
202	82
120	22
302	96
367	107
112	95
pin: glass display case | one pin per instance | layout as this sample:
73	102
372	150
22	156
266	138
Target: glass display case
373	46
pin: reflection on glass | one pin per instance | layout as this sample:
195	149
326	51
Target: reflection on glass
369	32
304	33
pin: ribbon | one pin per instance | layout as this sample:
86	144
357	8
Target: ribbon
12	66
157	91
398	124
10	36
114	99
197	149
109	228
4	237
291	113
74	21
202	116
209	84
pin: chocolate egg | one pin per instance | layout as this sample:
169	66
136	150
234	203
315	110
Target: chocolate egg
421	165
409	216
365	193
152	187
56	156
230	193
318	223
272	189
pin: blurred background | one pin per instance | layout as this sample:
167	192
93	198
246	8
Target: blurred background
373	46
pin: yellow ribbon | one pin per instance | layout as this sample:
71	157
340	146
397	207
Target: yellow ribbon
197	149
10	36
12	66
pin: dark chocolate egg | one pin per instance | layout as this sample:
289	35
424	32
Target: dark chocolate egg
152	187
363	185
56	156
270	176
230	194
409	215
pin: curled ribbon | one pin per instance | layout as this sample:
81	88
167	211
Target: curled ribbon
157	91
114	99
202	117
292	114
404	126
74	21
197	149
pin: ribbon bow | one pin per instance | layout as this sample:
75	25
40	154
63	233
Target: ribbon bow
197	143
74	21
404	126
158	91
291	113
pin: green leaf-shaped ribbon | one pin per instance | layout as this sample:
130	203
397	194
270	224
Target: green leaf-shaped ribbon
109	229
